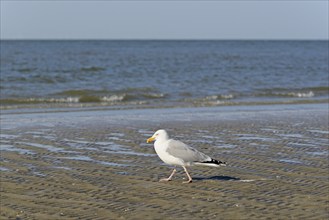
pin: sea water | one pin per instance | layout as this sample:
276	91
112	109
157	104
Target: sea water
162	73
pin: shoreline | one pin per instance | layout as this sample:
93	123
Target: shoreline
97	165
40	108
164	114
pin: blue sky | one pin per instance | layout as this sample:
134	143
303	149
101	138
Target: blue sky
164	19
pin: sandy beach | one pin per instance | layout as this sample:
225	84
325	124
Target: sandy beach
95	164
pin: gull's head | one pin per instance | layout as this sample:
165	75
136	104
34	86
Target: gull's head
158	135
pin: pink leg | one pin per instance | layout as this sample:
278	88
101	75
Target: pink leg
169	178
188	175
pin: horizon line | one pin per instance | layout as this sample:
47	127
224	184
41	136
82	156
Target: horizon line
165	39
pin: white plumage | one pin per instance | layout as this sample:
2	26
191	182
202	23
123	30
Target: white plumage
177	153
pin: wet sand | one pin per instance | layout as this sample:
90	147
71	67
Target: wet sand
97	165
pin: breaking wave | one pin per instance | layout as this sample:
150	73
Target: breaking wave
152	97
295	93
91	96
291	94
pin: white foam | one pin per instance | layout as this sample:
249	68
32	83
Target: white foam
113	98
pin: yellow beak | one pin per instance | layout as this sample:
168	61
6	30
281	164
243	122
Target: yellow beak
151	139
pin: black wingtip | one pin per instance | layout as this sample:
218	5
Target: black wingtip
216	162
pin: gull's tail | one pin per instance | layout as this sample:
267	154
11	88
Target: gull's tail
211	163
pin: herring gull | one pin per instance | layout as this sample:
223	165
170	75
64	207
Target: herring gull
177	153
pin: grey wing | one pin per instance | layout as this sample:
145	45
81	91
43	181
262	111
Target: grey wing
186	153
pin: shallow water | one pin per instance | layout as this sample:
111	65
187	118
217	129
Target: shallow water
8	147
